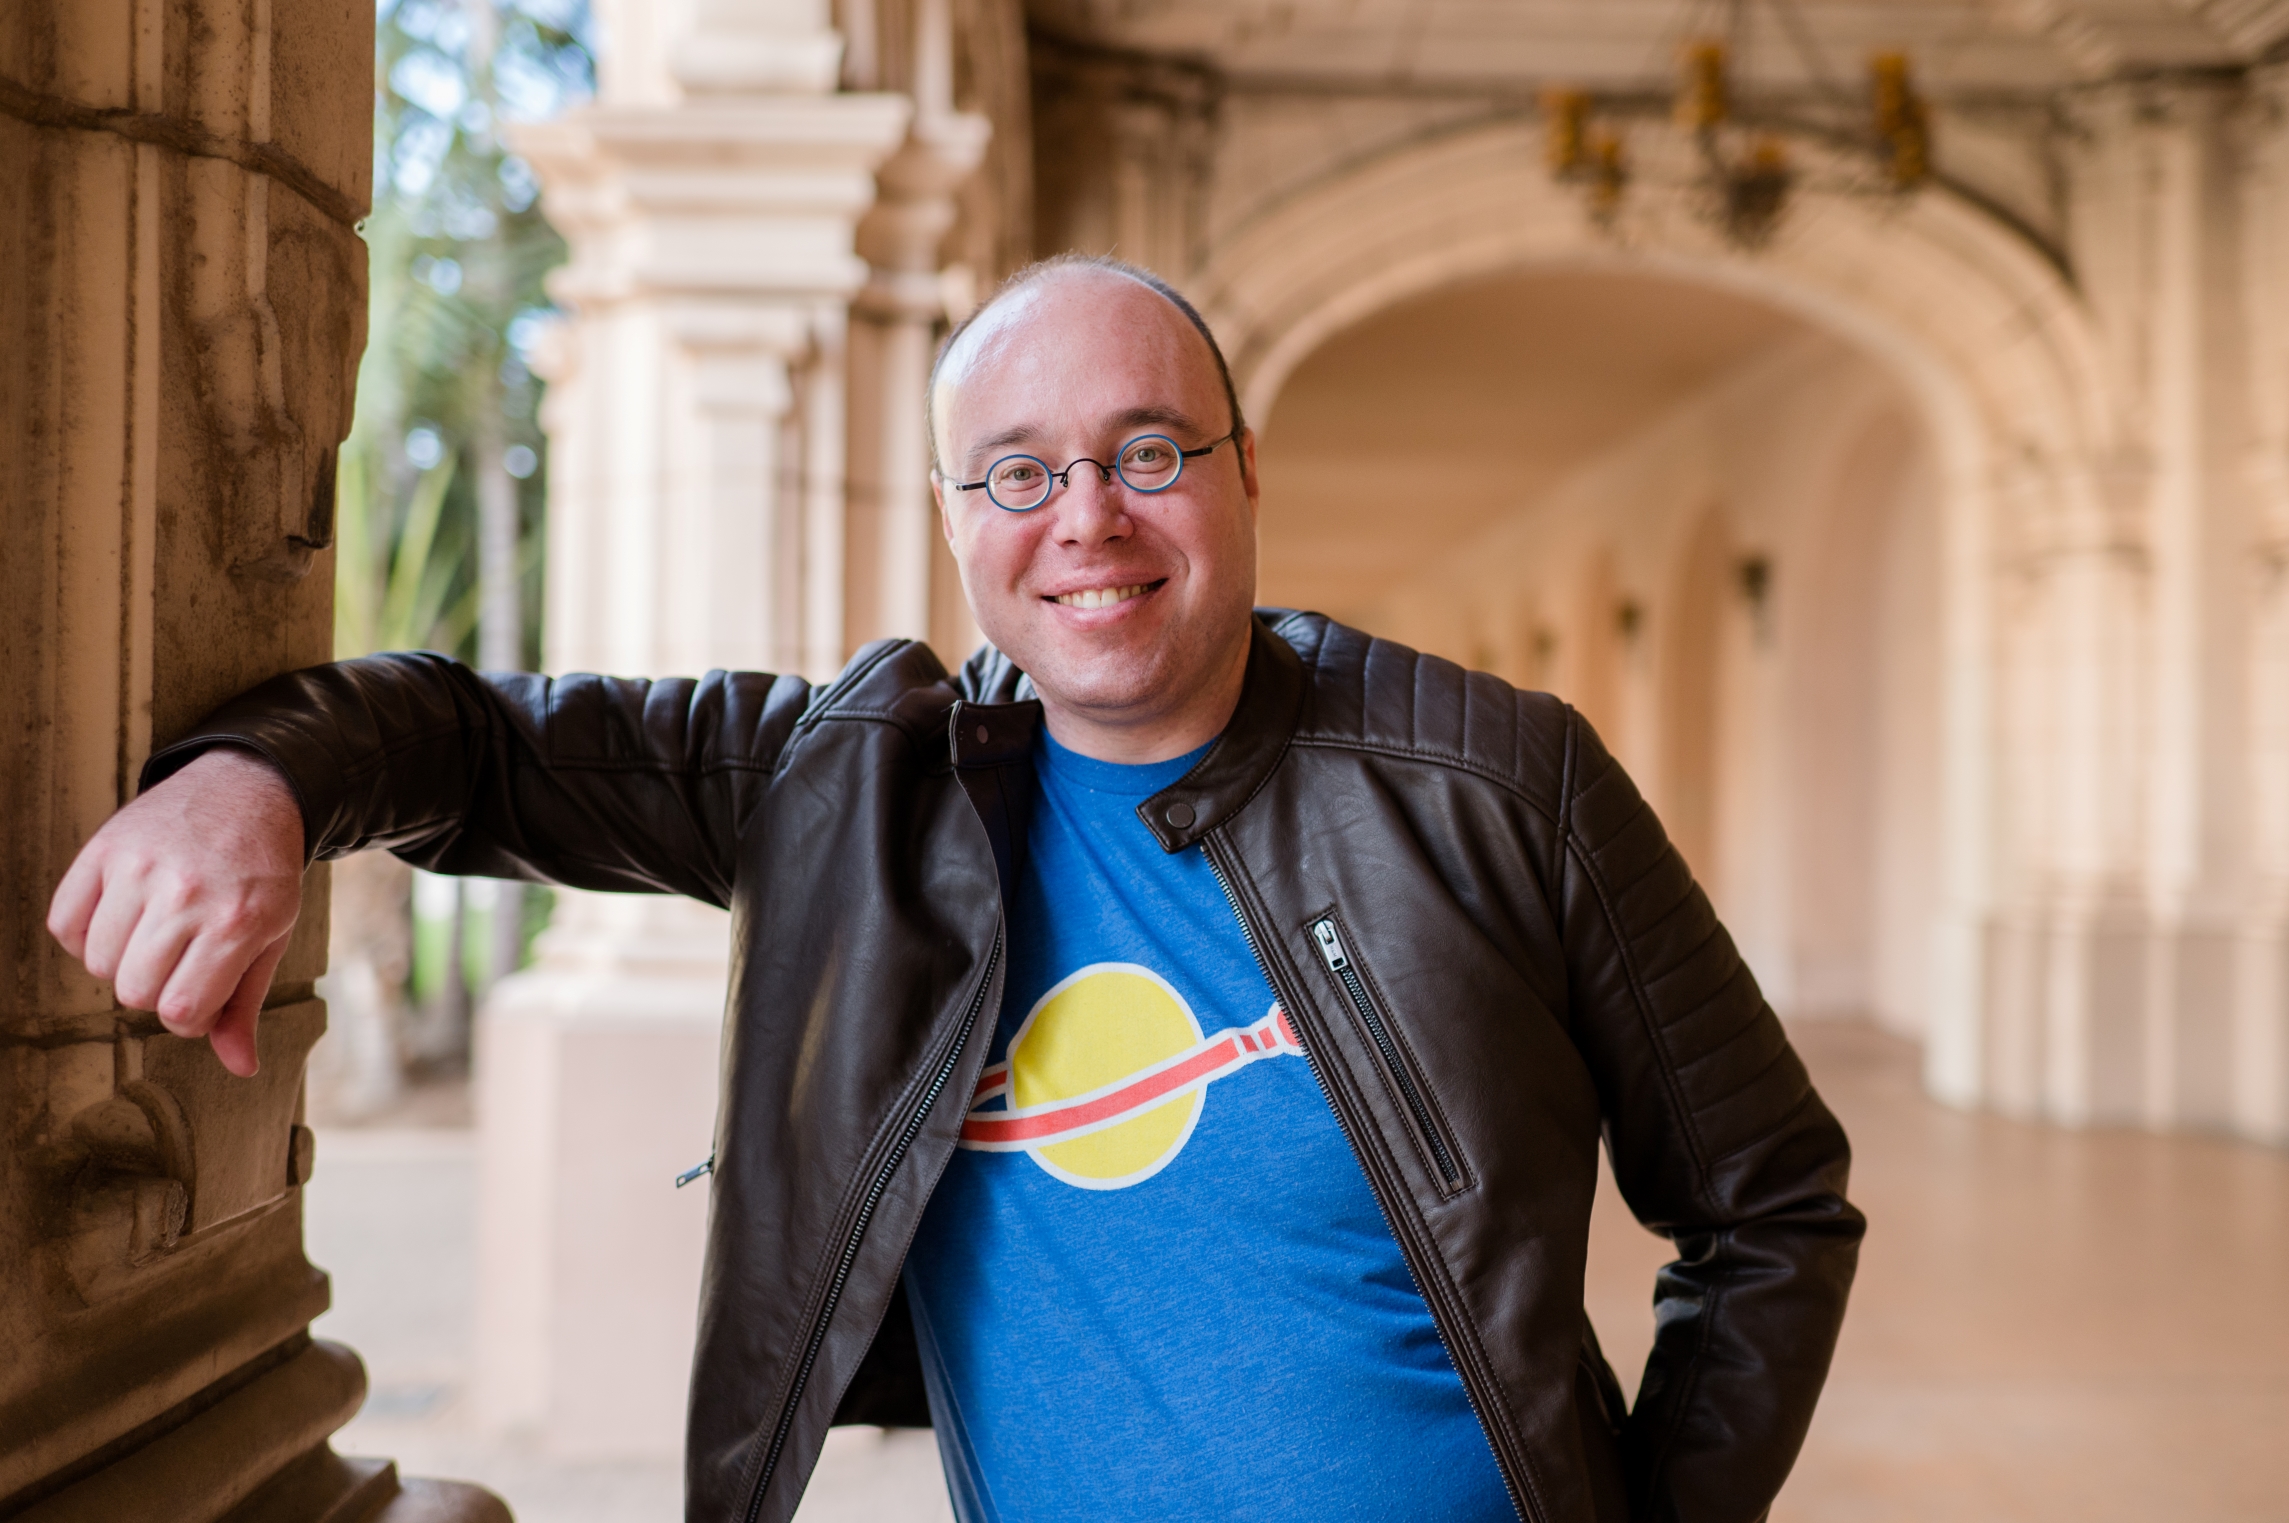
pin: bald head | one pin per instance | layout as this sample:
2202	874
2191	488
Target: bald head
1009	303
1129	609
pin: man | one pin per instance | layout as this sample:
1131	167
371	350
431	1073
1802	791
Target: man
1170	1058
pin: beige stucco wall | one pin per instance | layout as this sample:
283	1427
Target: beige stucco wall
1789	742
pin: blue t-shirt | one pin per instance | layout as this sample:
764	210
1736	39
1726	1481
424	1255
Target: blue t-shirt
1154	1282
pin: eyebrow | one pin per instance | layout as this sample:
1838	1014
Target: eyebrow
1166	417
1024	433
1122	421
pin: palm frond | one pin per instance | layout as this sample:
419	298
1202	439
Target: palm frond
414	589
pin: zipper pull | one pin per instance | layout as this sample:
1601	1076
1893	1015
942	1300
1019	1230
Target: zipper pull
1330	944
694	1172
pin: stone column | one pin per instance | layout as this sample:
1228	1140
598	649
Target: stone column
2114	987
2260	1097
2076	1053
1965	943
2197	803
710	199
1123	151
182	299
1753	811
2062	982
2084	1044
892	518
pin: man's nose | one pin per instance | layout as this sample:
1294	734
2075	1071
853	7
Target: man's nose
1092	508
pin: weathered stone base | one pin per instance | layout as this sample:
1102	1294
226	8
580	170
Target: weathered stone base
259	1455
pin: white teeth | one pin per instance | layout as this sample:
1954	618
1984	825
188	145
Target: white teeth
1098	597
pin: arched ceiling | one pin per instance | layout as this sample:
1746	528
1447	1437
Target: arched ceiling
1399	436
1958	44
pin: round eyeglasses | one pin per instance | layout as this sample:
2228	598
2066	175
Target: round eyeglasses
1148	463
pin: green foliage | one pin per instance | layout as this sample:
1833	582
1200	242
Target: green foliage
459	253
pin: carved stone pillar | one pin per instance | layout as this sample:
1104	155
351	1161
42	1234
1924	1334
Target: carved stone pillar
1122	149
182	299
2260	1077
2260	1096
2198	511
2113	986
1966	943
895	322
2084	1059
696	413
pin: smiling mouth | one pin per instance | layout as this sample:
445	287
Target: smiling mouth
1104	597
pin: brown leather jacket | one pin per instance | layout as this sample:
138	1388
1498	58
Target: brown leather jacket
1489	949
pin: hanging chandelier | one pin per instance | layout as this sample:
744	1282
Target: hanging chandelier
1737	138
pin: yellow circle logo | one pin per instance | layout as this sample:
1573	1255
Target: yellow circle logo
1105	1078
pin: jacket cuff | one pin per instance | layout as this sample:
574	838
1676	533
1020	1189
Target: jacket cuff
171	759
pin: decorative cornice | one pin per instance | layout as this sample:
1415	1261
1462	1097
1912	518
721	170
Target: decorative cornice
725	126
733	197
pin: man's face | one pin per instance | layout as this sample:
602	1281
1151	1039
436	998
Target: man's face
1122	606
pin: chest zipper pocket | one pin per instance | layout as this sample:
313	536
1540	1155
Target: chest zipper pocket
1412	1095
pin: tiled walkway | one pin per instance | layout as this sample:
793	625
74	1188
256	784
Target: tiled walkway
2048	1326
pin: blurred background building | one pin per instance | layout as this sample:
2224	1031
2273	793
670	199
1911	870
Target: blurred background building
1874	414
1875	417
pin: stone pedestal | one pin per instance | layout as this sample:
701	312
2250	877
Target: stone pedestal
596	1074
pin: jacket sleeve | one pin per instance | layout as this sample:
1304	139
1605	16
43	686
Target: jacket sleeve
595	782
1719	1143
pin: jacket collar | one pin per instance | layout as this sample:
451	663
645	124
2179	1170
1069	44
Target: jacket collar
1271	699
1271	702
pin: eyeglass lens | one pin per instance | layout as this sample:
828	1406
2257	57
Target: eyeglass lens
1021	483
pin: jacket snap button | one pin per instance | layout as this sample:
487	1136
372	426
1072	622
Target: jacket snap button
1179	814
983	733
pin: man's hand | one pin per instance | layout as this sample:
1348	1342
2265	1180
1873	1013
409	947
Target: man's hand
184	899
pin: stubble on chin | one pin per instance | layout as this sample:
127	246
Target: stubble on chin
1110	684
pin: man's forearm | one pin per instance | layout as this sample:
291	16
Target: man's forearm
609	783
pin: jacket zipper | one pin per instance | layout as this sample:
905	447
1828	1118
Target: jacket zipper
1332	951
881	1182
1479	1399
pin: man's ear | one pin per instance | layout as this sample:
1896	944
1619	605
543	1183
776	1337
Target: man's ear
1248	481
945	518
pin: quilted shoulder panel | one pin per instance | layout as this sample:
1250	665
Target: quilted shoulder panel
1380	695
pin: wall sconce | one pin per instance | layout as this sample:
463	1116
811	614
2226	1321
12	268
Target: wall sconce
1544	644
1754	574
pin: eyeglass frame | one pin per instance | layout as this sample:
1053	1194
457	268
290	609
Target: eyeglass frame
1105	473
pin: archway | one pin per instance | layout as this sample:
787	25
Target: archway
1958	336
1667	503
